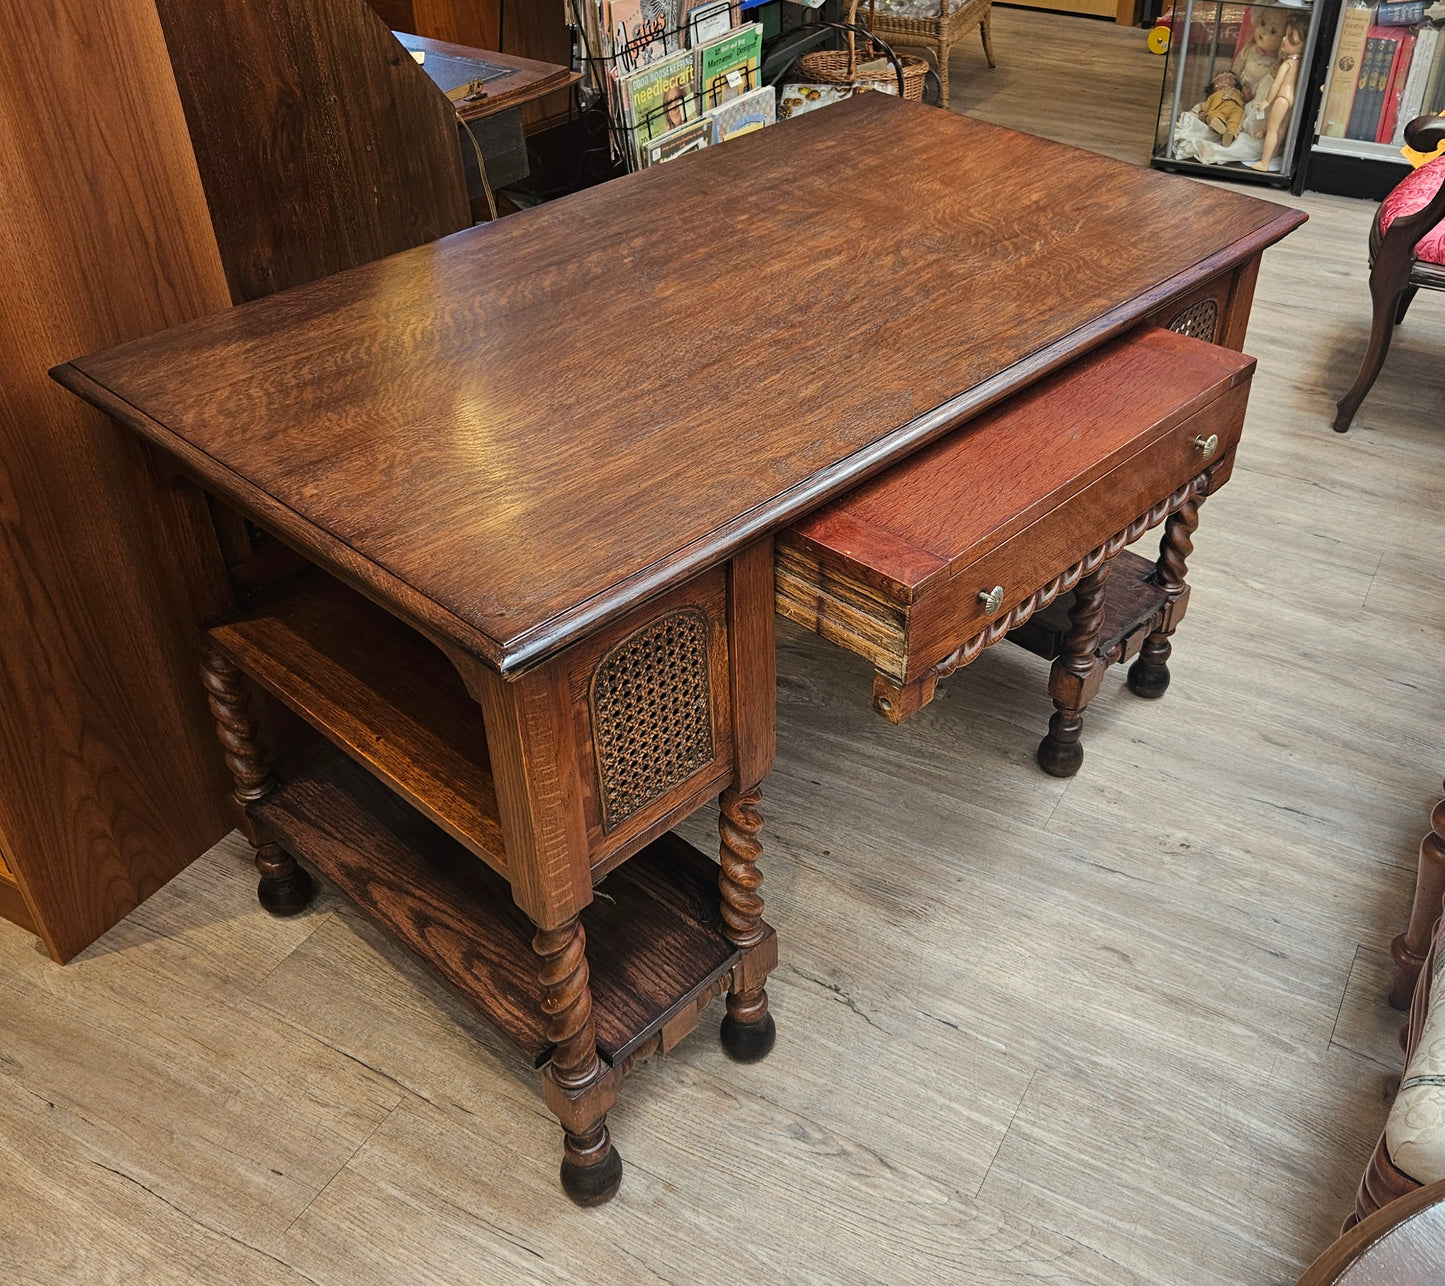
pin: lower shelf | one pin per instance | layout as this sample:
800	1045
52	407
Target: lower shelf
1131	603
654	933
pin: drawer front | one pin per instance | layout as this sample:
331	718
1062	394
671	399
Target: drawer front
952	613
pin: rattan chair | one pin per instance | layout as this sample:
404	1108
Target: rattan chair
936	32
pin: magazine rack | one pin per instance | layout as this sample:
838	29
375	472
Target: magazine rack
627	140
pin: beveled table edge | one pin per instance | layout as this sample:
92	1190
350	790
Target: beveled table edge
535	646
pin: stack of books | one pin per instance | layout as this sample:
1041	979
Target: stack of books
1389	68
679	74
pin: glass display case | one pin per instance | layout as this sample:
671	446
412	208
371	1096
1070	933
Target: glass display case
1236	97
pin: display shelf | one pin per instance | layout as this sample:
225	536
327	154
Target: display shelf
655	945
381	692
1360	149
1393	71
1132	603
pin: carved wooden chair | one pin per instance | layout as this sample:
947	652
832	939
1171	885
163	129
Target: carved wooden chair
1407	251
935	25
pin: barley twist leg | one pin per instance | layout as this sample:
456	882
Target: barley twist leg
285	888
1149	675
591	1166
748	1031
1061	752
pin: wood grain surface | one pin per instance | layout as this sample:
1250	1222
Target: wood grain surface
109	779
528	78
1401	1245
320	142
436	427
653	941
1128	1029
379	691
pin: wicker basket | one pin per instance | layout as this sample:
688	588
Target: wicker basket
840	66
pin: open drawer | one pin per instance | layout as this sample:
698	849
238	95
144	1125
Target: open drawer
922	567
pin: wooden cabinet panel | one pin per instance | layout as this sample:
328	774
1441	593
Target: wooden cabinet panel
112	782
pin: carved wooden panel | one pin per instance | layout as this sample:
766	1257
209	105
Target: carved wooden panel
652	713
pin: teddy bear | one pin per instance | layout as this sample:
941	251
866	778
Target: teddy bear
1223	110
1257	62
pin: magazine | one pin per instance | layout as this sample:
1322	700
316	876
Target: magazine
727	68
743	115
678	142
656	99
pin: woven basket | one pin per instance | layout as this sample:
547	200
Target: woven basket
840	66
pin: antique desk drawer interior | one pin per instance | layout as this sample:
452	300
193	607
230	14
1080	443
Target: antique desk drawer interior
899	570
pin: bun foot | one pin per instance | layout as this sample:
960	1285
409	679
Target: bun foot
286	895
1407	971
1148	679
592	1185
1060	758
748	1042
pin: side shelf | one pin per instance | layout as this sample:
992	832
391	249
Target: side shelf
655	943
382	693
1132	606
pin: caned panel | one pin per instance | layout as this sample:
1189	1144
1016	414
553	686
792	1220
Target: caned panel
651	706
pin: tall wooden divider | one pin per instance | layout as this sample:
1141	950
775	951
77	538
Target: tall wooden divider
109	780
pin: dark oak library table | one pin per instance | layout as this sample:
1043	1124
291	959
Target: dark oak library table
495	517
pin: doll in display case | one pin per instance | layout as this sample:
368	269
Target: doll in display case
1197	132
1257	62
1276	100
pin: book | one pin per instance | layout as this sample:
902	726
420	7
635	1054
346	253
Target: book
1409	14
708	21
1435	81
1370	88
1417	80
752	111
1395	85
689	137
727	68
1345	70
657	98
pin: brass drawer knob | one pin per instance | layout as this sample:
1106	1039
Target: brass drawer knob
992	599
1207	445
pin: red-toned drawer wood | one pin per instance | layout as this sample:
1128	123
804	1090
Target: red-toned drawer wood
894	571
942	619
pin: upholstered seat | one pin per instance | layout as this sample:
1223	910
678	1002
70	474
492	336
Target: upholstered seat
1411	195
1407	252
1415	1130
1411	1150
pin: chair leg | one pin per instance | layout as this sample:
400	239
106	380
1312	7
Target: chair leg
1405	304
943	47
985	30
1386	290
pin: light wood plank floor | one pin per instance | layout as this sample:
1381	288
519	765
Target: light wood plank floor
1128	1028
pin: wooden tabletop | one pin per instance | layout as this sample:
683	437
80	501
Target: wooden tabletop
520	431
509	81
1401	1244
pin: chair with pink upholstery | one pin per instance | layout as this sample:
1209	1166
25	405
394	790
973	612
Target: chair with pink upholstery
1407	251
